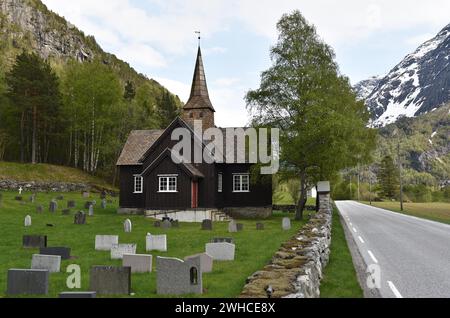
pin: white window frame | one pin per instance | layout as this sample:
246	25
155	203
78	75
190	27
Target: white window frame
138	184
240	177
220	183
168	183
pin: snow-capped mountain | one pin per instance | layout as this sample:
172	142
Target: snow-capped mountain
419	84
364	88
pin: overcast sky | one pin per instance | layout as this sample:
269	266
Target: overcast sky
157	38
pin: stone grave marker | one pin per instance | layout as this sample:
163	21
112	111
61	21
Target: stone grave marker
177	277
232	226
91	210
286	224
78	295
206	261
222	240
139	263
32	198
110	280
259	226
157	224
85	195
103	195
221	251
60	198
127	226
104	204
166	224
105	242
34	241
87	204
53	206
80	218
207	225
63	252
240	227
52	263
71	204
27	221
40	209
18	198
27	282
156	243
118	250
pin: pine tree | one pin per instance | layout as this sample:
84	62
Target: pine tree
130	91
167	110
388	178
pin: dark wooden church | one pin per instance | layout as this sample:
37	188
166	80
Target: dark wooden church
151	181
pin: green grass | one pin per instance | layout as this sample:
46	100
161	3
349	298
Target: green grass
435	211
254	249
47	173
284	198
340	280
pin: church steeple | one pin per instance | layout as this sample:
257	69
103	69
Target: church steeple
199	106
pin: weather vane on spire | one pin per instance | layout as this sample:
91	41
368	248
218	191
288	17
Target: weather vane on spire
199	36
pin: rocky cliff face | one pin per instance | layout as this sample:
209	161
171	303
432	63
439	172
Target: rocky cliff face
417	85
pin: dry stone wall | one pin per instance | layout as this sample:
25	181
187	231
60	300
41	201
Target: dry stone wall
296	269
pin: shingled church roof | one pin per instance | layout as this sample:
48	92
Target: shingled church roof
137	144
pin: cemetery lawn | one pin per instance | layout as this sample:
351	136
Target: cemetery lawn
435	211
340	280
254	249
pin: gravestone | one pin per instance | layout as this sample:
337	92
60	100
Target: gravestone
103	195
105	242
66	212
34	241
85	195
157	224
27	221
286	224
207	225
71	204
221	251
52	263
127	226
40	209
87	204
94	203
240	227
118	250
91	210
259	226
104	204
176	224
206	262
27	282
63	252
32	198
53	206
222	240
166	224
232	226
177	277
156	243
110	280
139	263
80	218
60	198
18	198
78	295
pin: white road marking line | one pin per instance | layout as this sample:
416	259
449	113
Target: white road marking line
351	224
373	257
394	290
354	230
360	238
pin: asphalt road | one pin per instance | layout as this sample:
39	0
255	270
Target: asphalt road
411	255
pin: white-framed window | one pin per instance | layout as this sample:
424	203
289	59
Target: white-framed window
241	182
138	184
168	184
220	183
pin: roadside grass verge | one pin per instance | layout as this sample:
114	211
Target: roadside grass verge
340	280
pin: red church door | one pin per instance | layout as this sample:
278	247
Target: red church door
194	195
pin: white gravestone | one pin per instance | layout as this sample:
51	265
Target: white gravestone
91	210
156	243
51	263
105	242
117	251
206	261
27	221
221	251
20	190
127	226
232	227
139	263
286	224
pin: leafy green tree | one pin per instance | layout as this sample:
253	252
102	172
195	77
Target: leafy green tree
33	89
130	91
167	109
322	125
388	178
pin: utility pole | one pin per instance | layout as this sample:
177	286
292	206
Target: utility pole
400	174
370	186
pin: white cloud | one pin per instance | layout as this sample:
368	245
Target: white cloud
226	81
141	55
178	88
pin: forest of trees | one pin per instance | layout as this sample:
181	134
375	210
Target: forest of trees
80	118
